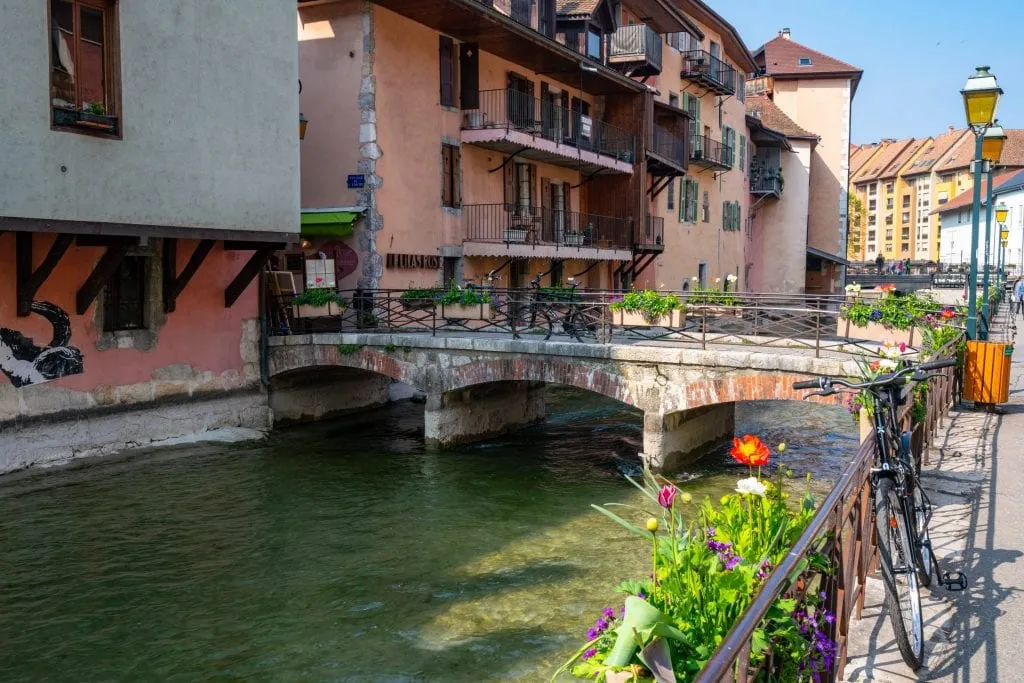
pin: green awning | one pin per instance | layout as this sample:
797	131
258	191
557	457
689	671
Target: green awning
328	223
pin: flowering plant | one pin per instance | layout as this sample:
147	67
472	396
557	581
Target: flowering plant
650	304
900	312
707	566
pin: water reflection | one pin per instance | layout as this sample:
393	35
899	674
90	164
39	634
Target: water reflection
343	551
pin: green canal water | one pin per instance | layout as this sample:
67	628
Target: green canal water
344	551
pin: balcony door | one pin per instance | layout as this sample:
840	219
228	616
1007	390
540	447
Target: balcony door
554	202
520	102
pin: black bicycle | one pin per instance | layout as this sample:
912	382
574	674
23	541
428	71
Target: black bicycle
580	321
902	511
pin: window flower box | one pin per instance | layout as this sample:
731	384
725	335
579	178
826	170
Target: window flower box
73	118
876	332
321	311
482	311
676	318
515	235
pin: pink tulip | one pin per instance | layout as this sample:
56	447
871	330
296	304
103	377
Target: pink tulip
666	495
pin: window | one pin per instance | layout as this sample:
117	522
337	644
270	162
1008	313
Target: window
688	197
888	188
672	195
446	50
125	296
702	275
451	175
872	204
871	219
905	217
593	44
673	100
729	140
705	208
946	178
84	91
889	203
906	201
888	219
873	190
871	235
888	234
804	61
524	188
906	233
905	248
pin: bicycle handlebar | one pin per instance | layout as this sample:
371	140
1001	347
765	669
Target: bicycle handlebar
826	384
937	364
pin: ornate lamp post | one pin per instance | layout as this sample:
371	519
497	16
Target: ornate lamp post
1002	212
992	143
981	95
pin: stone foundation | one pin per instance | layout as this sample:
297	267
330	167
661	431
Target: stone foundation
67	437
482	412
671	441
307	397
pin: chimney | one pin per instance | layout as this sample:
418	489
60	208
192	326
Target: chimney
785	33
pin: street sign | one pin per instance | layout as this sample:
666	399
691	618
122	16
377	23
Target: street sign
356	182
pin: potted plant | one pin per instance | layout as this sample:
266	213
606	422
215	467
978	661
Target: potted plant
465	304
889	317
317	303
649	309
419	299
713	301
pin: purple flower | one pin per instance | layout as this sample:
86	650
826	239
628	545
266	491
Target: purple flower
589	653
876	314
601	625
592	633
731	563
710	532
609	612
641	596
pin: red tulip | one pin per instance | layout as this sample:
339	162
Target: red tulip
666	495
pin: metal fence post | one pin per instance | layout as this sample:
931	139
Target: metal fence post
817	333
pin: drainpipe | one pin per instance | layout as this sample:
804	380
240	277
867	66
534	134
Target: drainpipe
264	336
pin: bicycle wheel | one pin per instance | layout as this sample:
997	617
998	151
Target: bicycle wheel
902	595
582	326
919	506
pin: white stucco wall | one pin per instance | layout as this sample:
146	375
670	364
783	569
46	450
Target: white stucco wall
784	248
210	120
955	240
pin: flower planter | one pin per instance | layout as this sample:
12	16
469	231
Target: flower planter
309	311
515	235
876	333
470	312
80	119
573	239
629	319
717	311
417	304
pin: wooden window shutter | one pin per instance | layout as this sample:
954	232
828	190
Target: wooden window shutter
684	190
456	154
469	76
510	190
446	175
446	53
694	194
743	154
671	195
533	185
725	215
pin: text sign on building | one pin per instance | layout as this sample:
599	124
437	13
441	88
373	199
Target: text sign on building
414	261
586	123
356	182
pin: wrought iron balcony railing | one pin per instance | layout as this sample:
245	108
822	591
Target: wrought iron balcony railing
668	146
638	47
523	224
706	151
703	67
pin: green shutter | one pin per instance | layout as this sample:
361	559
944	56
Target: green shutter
682	200
743	154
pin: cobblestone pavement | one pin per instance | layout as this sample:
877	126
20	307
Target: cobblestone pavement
975	479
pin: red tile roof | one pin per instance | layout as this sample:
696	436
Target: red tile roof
576	7
894	166
781	56
966	198
935	149
963	152
860	156
891	149
772	117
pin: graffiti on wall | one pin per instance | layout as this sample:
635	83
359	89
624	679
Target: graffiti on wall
25	363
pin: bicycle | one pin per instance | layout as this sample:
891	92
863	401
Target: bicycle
579	322
901	509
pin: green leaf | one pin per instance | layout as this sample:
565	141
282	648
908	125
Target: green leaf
611	515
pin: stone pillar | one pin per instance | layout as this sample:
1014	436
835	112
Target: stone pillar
312	396
481	412
672	440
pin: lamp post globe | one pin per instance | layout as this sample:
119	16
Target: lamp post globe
992	143
1002	211
981	95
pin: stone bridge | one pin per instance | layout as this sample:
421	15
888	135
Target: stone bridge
478	386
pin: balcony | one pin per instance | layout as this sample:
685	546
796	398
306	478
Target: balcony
521	230
636	50
709	71
766	181
653	237
707	152
512	122
667	153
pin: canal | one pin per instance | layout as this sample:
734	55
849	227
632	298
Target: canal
345	552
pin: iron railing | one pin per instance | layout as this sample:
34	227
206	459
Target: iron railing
801	323
638	43
765	180
653	237
705	68
512	109
519	224
706	150
669	146
843	531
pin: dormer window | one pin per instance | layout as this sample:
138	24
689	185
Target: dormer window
804	61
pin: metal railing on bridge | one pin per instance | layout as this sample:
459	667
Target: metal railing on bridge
803	323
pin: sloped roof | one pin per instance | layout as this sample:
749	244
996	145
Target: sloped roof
780	57
894	166
963	152
771	116
966	198
860	156
936	148
576	7
890	149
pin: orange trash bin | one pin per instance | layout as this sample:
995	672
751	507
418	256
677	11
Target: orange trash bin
987	372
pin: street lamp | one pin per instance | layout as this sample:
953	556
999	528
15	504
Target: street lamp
981	95
1002	213
992	142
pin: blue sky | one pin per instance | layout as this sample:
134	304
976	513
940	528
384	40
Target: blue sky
916	55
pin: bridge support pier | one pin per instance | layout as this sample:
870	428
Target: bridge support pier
481	412
670	441
308	397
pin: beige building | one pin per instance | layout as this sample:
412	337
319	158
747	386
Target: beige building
816	91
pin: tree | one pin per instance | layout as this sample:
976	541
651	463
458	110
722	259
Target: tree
854	229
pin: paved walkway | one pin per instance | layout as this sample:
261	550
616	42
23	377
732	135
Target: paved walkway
976	481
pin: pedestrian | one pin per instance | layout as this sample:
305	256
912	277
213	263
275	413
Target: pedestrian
1018	295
